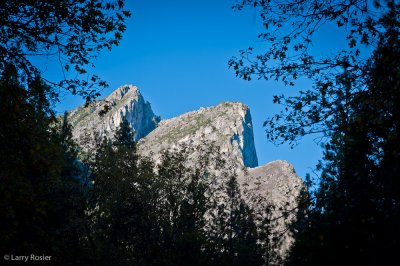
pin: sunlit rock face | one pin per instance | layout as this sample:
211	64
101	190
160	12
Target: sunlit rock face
227	125
126	102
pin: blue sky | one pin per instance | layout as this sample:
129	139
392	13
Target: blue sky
177	53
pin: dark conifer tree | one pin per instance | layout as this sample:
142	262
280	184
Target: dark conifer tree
122	211
235	236
39	192
358	198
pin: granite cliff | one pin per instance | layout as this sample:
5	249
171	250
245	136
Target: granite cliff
126	102
227	125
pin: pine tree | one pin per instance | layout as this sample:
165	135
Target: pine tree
122	202
235	235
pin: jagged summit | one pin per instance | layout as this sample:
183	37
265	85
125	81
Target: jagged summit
123	93
126	102
228	125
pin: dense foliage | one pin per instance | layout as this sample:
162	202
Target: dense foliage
41	198
42	183
351	215
172	213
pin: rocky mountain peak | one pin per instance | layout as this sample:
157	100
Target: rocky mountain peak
228	125
91	123
123	93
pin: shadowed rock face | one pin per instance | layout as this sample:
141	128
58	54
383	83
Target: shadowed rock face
125	102
278	184
227	125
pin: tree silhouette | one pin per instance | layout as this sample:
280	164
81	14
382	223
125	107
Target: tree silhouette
351	106
73	32
355	202
288	56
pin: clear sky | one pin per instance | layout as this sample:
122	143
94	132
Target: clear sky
177	53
